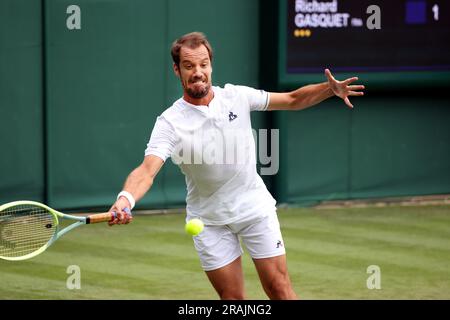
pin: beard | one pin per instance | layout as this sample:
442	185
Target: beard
197	92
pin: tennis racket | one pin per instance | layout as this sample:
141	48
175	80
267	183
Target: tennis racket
28	228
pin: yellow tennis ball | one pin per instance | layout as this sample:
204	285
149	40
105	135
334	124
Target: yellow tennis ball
194	227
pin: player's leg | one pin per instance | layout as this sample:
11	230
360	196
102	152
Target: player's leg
264	242
274	277
220	252
228	281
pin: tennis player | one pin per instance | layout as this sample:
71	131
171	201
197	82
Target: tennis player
201	130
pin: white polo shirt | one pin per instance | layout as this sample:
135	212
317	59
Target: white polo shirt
215	149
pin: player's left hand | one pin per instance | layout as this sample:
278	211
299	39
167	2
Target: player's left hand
343	89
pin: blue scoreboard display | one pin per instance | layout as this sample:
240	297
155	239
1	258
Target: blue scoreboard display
399	40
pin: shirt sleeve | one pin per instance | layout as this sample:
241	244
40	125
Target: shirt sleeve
162	140
258	100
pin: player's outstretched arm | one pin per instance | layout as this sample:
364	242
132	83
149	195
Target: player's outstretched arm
313	94
139	181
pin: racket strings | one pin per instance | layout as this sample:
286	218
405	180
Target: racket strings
24	229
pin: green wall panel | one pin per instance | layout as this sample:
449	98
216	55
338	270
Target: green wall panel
21	101
314	153
401	146
104	91
108	81
388	146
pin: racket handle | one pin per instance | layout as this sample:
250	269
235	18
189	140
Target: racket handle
100	217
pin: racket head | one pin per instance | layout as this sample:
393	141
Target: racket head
27	228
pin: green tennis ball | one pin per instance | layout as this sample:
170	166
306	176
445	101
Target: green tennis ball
194	227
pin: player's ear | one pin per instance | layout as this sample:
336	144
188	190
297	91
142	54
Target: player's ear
176	69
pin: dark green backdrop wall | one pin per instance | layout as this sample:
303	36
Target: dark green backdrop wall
21	105
77	107
71	133
389	145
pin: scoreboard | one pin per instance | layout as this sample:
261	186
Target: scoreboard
405	41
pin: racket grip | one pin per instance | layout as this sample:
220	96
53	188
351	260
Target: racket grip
100	217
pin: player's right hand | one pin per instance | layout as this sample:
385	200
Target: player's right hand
122	212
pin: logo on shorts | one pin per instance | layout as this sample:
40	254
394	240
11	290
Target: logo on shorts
279	244
232	116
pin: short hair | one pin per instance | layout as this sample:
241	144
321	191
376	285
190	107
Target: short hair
191	40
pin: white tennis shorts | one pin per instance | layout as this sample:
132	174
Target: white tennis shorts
218	246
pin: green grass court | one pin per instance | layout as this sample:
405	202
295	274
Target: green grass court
328	255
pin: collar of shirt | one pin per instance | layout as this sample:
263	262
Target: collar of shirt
207	110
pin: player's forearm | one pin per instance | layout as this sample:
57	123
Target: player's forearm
310	95
138	183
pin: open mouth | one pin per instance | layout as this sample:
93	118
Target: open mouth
199	81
